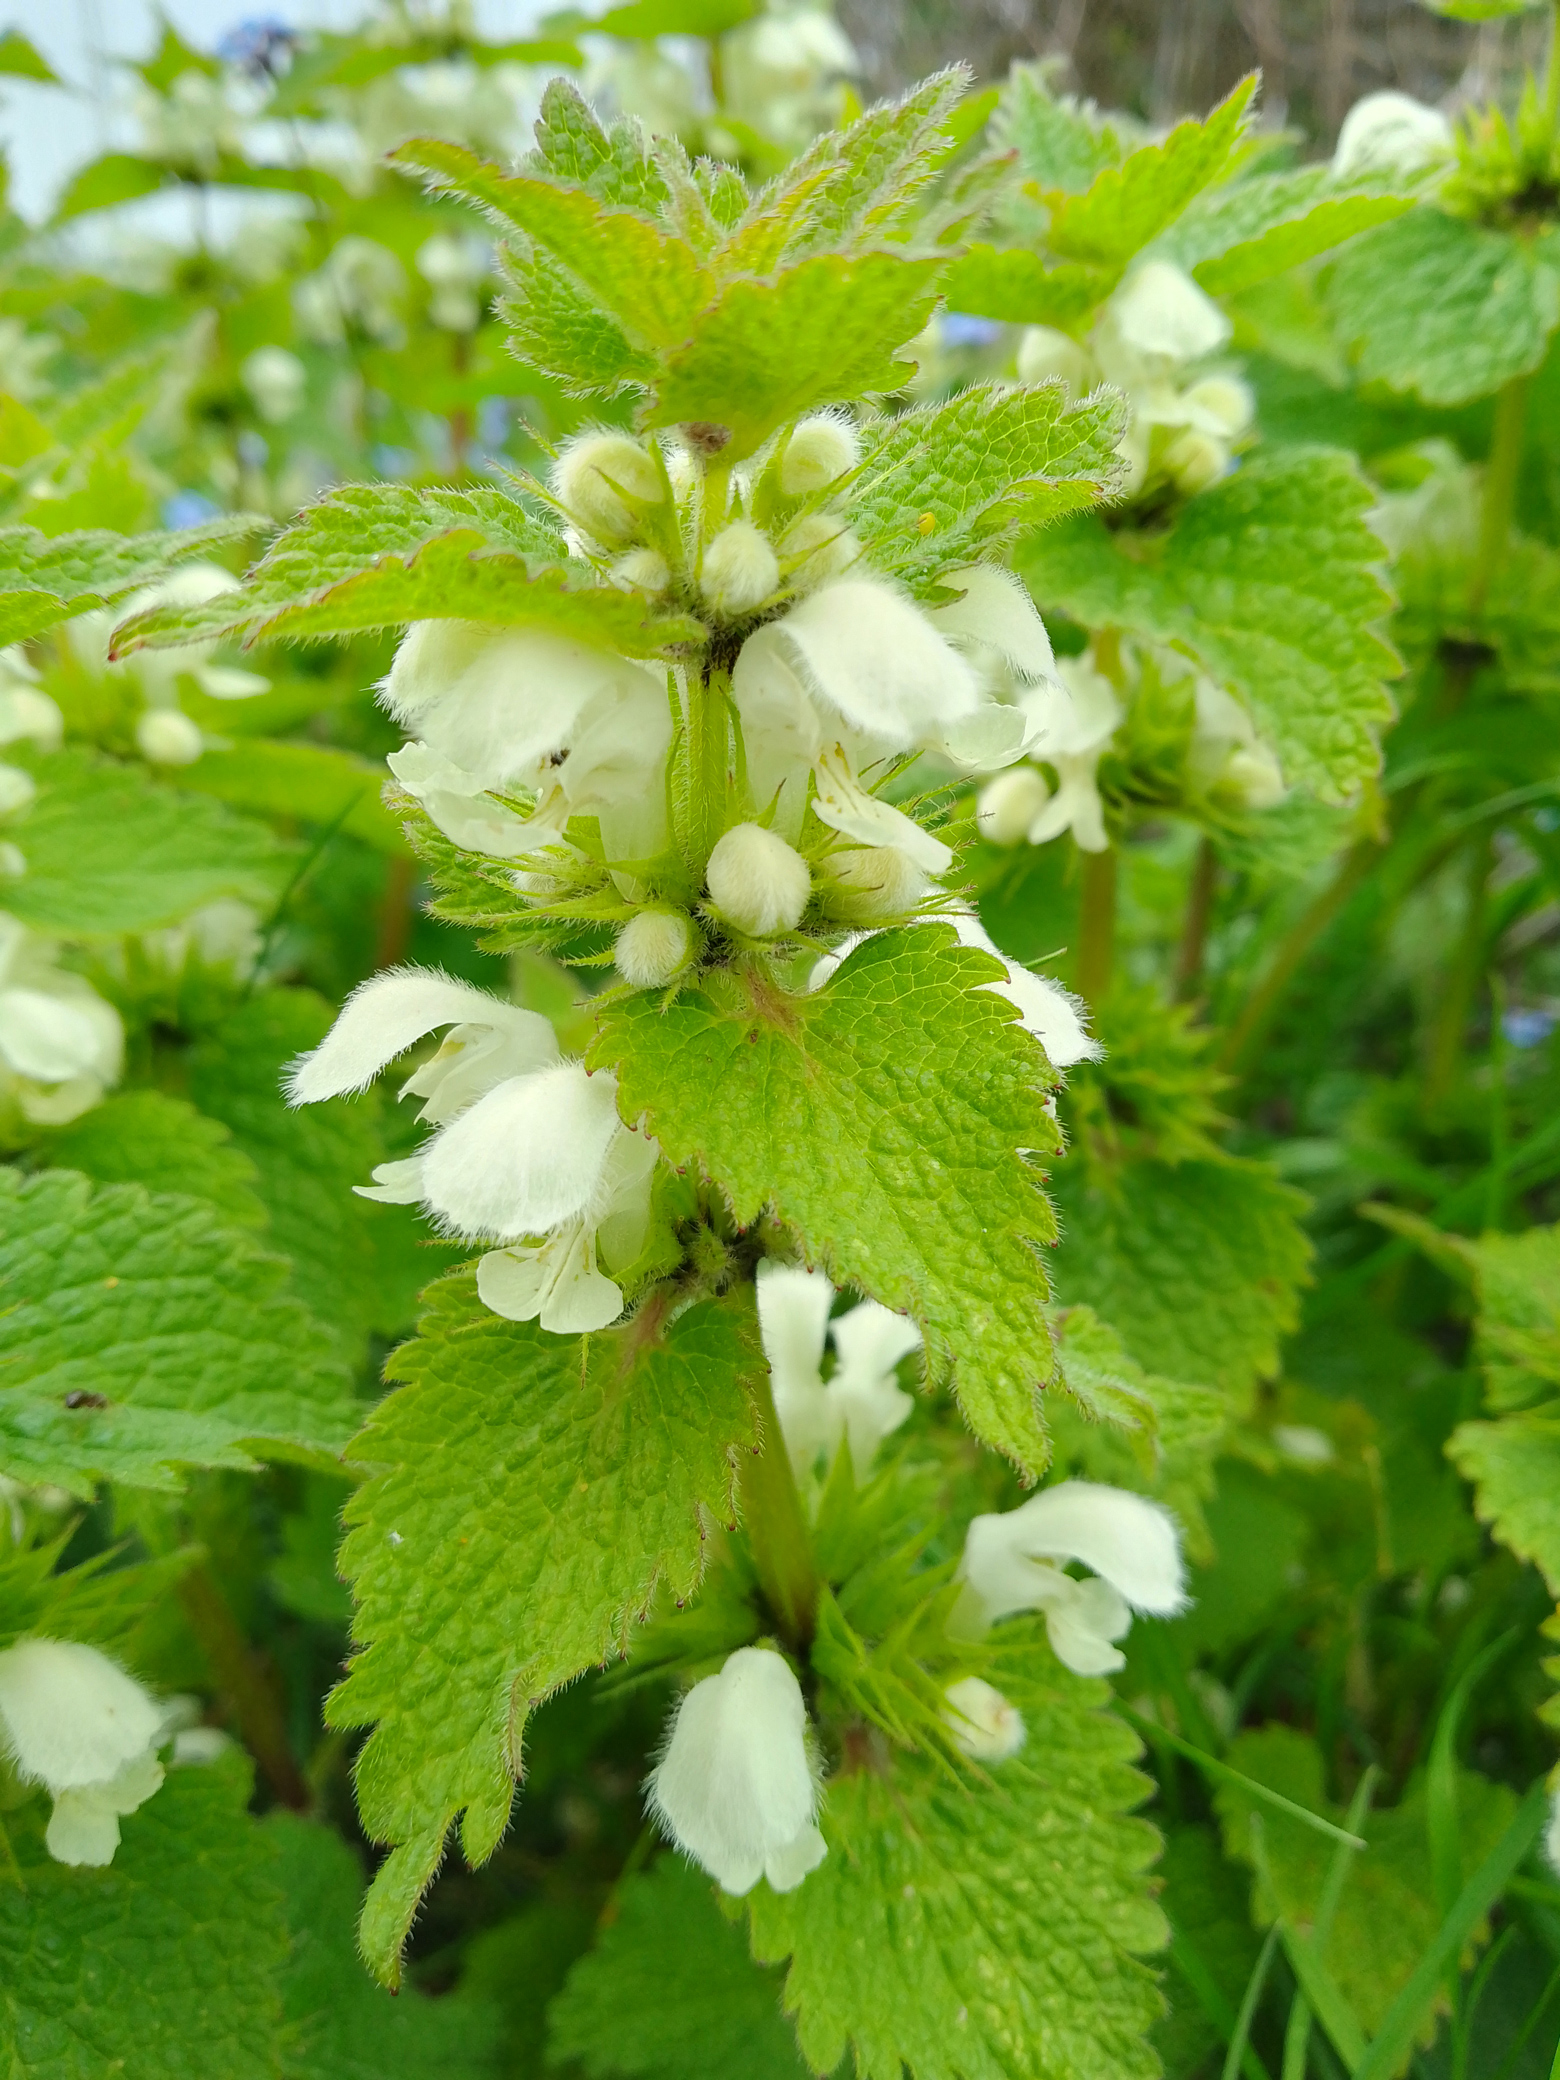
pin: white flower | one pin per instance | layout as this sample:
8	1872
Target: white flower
60	1042
1054	1015
362	285
740	569
1009	804
1227	752
276	380
159	671
452	268
737	1788
165	737
863	1402
995	613
73	1721
1390	132
1044	353
1074	722
984	1725
1161	319
757	881
24	710
1132	1544
1552	1832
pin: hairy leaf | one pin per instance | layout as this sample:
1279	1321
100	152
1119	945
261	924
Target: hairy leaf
1247	231
47	579
1515	1469
145	1137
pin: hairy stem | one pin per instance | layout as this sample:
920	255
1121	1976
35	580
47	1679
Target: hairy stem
1500	488
1096	926
776	1527
1443	1056
1248	1031
239	1678
708	758
1194	925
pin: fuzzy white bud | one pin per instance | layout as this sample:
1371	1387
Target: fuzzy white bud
817	547
1196	460
642	570
984	1725
820	451
757	882
1222	403
1044	352
740	569
653	947
871	882
600	477
167	738
736	1787
1010	805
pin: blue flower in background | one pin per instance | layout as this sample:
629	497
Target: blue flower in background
189	509
1528	1028
258	44
958	329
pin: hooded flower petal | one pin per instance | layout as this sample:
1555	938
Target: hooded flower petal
459	805
387	1014
1160	313
984	1725
1132	1543
1053	1014
846	806
70	1717
865	1400
527	1157
1390	132
736	1787
876	660
52	1037
793	1323
998	613
395	1184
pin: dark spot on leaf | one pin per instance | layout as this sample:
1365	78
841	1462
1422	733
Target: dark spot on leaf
80	1397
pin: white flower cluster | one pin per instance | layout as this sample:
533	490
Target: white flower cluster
1147	341
529	1154
74	1722
61	1045
360	289
27	715
1391	133
862	1402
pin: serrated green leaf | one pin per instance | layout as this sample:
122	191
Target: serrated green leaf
670	1992
112	405
1019	287
165	1966
864	182
1061	143
1196	1264
1387	1914
139	1335
530	1493
315	783
108	849
1247	231
1269	580
1514	1466
880	1120
44	579
822	331
1446	309
988	462
338	2024
555	327
569	140
987	1932
108	180
146	1137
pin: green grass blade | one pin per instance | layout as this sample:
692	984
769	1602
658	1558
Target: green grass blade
1211	1766
1248	2006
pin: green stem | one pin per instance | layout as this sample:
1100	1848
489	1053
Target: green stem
777	1529
1500	487
237	1675
1194	926
708	762
1261	1006
1444	1054
1096	926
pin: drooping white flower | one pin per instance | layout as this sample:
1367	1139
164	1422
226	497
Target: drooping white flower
60	1043
737	1788
166	737
73	1721
1054	1015
1132	1545
1160	316
1388	132
1227	752
277	380
863	1402
1009	804
1076	721
757	881
995	613
984	1725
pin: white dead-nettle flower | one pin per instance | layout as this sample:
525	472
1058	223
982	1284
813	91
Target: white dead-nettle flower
1054	1015
757	881
1221	405
820	451
61	1045
862	1402
653	947
27	713
740	569
983	1724
1390	132
166	737
159	671
223	934
1160	316
1132	1545
74	1722
604	480
1304	1444
1071	721
1194	460
1009	804
578	728
277	381
1226	751
737	1786
453	268
361	287
1044	353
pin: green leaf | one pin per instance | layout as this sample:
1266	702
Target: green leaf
375	556
555	327
139	1335
1196	1264
44	579
339	2024
22	60
644	19
1387	1914
315	783
166	1965
989	461
1061	144
105	182
1212	1949
863	183
145	1137
1514	1466
819	332
1269	581
1019	287
880	1120
1247	231
670	1992
530	1494
99	1602
1444	308
986	1932
109	850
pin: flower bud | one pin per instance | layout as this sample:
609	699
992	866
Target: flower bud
642	570
740	569
17	788
984	1725
653	947
757	882
820	450
1196	460
817	547
1010	805
1221	404
167	738
1254	771
1043	351
1388	132
736	1787
871	882
73	1721
601	478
